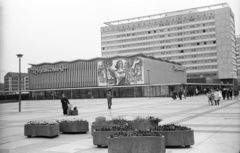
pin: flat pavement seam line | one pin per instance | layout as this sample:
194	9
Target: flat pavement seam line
200	114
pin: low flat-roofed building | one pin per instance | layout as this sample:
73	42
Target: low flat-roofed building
124	75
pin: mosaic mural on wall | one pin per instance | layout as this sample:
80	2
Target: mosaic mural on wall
122	71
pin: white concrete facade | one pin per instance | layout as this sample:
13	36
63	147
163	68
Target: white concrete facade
238	56
11	82
201	39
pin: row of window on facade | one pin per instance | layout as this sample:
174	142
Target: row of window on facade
202	67
157	42
177	51
159	48
15	88
190	56
199	61
201	49
162	41
153	37
204	75
155	31
15	78
166	44
154	24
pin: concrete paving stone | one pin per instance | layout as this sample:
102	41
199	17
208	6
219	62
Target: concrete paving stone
216	128
19	143
219	143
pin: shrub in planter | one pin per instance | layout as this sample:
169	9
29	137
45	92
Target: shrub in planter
100	136
73	126
144	123
136	141
100	119
48	128
176	135
100	122
119	122
105	124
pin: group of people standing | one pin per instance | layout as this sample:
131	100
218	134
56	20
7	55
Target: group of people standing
215	95
228	93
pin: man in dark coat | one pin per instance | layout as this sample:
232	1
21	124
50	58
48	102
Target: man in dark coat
224	93
109	99
174	95
65	104
180	94
227	93
230	93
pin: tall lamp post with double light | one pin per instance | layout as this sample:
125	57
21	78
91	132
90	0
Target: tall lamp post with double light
19	80
148	83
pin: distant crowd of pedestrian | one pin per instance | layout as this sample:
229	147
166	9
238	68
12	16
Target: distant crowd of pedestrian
182	93
214	95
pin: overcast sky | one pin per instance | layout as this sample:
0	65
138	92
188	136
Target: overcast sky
66	30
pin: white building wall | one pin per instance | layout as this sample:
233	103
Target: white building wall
192	37
238	56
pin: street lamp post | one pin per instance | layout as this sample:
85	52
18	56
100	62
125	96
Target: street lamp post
19	80
148	83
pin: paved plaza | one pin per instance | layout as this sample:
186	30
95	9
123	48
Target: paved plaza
216	128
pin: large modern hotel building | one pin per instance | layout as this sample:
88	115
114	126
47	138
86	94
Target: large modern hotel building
238	57
201	39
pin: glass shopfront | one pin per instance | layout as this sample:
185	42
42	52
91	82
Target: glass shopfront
122	92
117	92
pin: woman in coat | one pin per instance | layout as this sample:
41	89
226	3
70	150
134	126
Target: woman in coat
65	104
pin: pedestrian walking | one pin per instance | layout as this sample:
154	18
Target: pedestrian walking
230	93
65	104
180	94
217	96
196	91
227	93
210	97
174	95
224	93
109	99
184	94
236	94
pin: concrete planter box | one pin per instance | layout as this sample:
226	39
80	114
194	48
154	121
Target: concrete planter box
137	144
100	138
41	130
178	138
74	127
99	125
141	125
